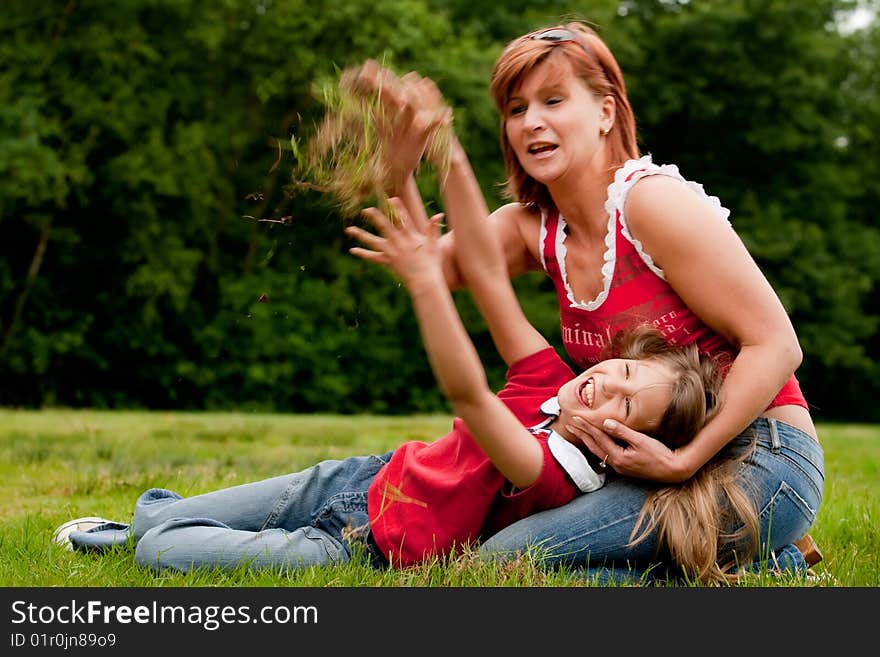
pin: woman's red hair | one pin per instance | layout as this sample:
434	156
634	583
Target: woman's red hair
589	59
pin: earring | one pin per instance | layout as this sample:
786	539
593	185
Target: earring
605	131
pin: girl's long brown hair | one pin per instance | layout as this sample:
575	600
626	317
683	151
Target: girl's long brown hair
692	518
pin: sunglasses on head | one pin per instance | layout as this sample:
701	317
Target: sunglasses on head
558	35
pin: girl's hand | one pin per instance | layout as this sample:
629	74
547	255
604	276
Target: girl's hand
629	452
414	110
405	245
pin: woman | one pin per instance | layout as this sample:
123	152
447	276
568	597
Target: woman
626	241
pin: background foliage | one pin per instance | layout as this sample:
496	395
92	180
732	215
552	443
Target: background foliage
141	141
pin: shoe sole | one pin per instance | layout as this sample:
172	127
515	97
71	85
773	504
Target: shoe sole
61	536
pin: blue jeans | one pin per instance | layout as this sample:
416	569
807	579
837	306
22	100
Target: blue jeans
313	517
785	473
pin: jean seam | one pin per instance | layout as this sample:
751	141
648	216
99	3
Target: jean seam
810	478
581	538
276	510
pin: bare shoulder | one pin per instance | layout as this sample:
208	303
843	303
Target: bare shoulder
518	227
659	202
515	213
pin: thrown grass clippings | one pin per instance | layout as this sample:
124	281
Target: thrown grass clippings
346	156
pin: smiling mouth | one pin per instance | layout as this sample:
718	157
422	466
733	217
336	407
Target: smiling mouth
538	149
587	392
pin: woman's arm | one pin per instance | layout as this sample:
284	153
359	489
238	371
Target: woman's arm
410	248
710	268
707	264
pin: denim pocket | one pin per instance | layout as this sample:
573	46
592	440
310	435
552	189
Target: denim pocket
787	515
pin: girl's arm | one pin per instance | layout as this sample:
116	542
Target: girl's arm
482	263
411	110
410	248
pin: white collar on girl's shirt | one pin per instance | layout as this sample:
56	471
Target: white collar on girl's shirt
551	408
567	455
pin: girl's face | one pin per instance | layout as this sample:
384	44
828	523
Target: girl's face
633	392
553	122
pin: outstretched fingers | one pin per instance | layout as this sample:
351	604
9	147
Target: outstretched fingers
365	237
380	220
373	78
395	233
370	256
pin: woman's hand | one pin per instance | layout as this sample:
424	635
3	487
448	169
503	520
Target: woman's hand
629	452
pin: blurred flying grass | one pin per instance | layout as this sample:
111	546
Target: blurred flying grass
61	464
345	155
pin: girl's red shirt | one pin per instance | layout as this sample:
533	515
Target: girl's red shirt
432	498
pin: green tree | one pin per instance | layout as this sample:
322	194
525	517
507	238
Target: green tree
759	101
151	255
143	142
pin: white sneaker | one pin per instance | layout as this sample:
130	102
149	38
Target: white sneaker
62	534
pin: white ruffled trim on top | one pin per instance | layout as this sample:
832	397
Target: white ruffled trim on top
607	265
542	238
617	192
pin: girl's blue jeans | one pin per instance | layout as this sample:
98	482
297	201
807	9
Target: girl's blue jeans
786	474
309	518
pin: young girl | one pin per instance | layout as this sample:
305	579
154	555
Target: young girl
423	500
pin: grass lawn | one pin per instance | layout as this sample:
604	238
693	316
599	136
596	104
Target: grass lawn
61	464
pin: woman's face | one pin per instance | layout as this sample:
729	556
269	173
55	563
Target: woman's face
553	122
633	392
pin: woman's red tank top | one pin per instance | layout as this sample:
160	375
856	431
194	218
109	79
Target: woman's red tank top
634	289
